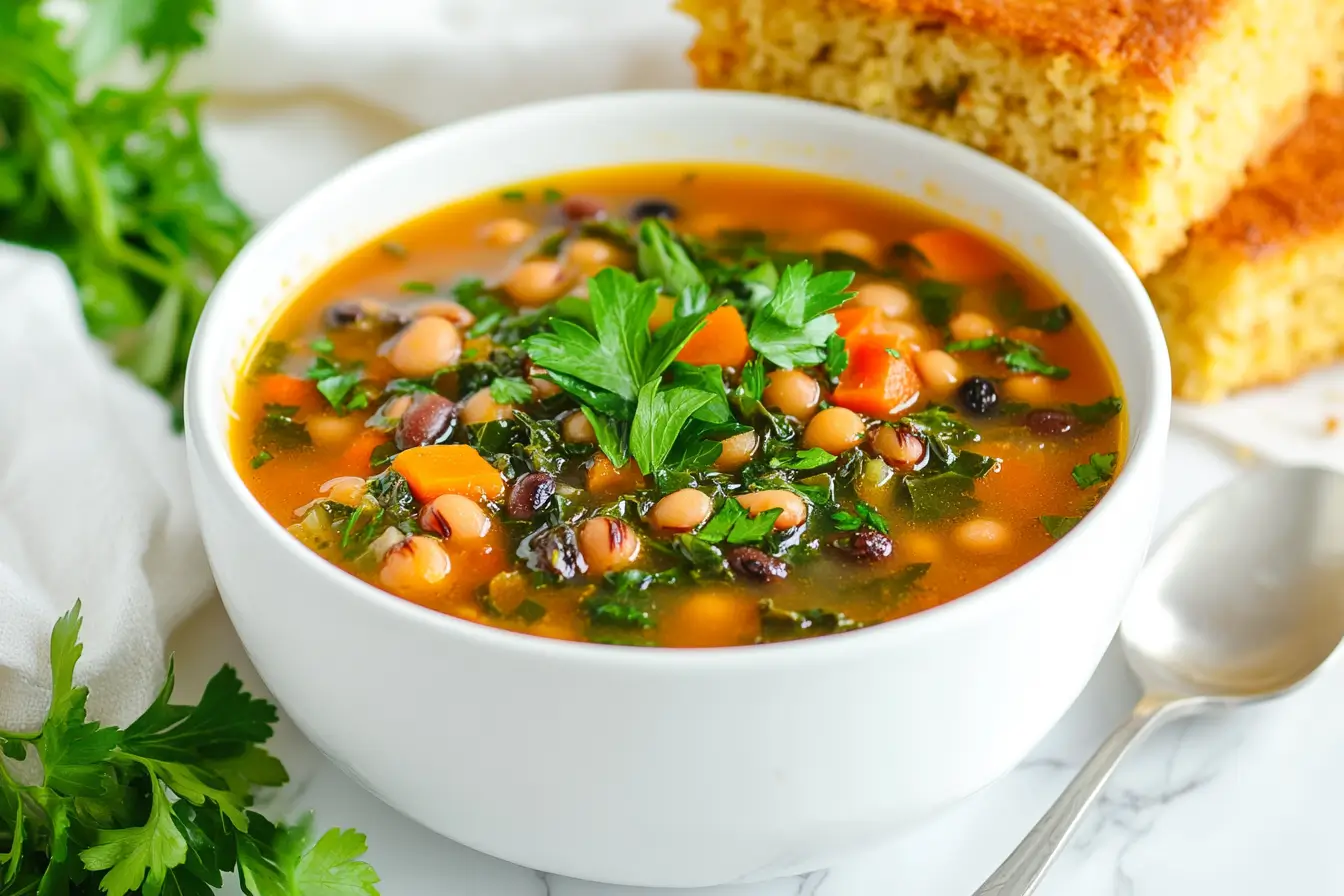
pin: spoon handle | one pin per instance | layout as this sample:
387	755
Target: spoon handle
1021	873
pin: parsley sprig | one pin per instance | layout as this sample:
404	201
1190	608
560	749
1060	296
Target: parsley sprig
115	181
162	806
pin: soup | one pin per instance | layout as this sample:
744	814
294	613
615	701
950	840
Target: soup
681	407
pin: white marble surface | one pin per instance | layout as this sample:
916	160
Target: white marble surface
1246	805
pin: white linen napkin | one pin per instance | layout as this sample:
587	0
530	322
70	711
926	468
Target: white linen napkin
93	496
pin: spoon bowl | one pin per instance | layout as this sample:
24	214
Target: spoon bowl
1243	601
1244	598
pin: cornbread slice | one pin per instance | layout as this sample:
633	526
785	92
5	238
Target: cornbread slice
1258	294
1143	113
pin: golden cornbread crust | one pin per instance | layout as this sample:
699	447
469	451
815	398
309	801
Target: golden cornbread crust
1152	37
1258	295
1142	113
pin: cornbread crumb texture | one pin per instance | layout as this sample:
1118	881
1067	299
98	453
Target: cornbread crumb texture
1144	113
1258	295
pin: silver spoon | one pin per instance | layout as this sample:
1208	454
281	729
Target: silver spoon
1241	603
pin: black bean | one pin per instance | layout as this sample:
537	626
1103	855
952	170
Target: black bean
582	208
344	314
530	494
978	395
654	208
1049	422
868	545
426	422
753	564
556	551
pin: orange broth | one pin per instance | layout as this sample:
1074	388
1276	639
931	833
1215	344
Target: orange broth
698	601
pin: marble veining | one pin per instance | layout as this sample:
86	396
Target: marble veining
1242	805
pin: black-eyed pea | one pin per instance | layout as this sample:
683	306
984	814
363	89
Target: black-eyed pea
481	407
792	508
982	536
588	256
608	544
737	452
835	430
939	371
577	429
330	431
681	511
458	520
901	447
890	300
426	345
538	281
416	564
504	233
794	393
851	242
970	325
347	490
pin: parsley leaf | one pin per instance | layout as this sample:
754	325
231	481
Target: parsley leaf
1098	469
807	459
1097	413
659	418
781	625
1017	356
753	380
793	328
1012	306
663	258
837	357
937	300
864	515
611	436
732	524
511	390
1059	526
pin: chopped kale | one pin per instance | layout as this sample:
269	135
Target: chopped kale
279	431
1098	469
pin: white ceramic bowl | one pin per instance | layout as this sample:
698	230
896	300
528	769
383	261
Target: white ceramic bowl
673	767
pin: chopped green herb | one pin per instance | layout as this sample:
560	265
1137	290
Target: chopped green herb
513	196
1017	356
260	458
611	435
337	381
511	390
279	431
1098	413
603	609
753	379
395	249
864	515
778	624
323	346
905	253
421	287
938	300
1098	469
837	358
940	496
1013	306
551	195
732	524
943	434
793	328
270	358
529	611
807	459
550	246
1059	526
895	353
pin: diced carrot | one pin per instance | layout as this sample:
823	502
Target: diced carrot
357	458
958	257
280	388
662	312
855	320
722	340
876	382
434	470
605	478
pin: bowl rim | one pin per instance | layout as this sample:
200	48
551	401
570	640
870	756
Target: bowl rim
1148	434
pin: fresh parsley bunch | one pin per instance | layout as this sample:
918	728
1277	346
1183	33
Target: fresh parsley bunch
159	807
116	181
